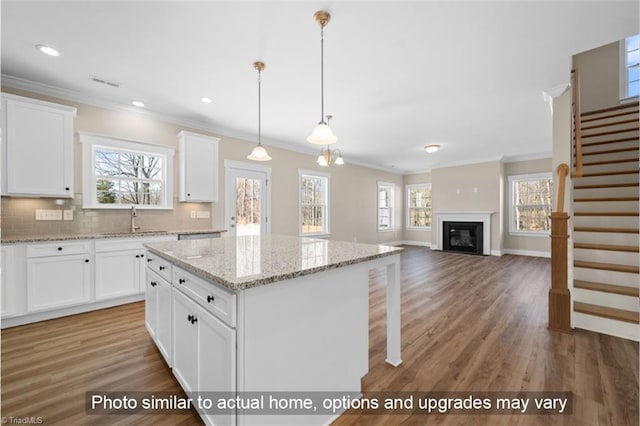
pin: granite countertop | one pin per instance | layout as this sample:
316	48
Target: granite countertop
100	235
238	263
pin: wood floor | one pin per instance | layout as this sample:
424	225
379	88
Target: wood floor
469	324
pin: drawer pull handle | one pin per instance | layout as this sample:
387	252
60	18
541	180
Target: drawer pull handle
149	259
59	248
86	261
161	268
137	256
181	280
210	299
190	318
153	283
194	320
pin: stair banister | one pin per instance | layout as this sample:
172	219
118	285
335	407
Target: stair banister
577	125
559	297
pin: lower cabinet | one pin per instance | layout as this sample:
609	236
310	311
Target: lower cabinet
204	351
58	281
158	302
118	274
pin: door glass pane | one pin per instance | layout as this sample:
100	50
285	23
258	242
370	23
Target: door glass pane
248	206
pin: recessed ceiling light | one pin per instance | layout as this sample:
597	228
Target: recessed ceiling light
47	50
206	100
431	148
138	103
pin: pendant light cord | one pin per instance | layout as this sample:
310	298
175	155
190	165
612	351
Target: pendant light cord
259	109
322	74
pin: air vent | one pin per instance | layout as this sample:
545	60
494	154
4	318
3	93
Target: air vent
104	81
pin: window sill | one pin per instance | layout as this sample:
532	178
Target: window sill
421	229
385	230
629	100
315	235
530	234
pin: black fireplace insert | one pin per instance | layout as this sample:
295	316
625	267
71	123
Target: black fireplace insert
462	237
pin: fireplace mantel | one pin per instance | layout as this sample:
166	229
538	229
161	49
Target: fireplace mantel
484	217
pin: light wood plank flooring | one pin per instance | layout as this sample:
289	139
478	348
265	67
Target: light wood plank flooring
469	324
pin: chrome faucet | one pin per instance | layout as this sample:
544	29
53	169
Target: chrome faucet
133	219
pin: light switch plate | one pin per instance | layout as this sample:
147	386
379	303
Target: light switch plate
193	214
44	214
203	215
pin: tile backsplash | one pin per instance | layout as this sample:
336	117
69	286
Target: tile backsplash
19	218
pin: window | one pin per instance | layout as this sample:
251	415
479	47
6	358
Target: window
385	206
119	174
419	207
314	203
629	68
530	204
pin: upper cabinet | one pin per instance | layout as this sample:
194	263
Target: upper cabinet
198	167
37	148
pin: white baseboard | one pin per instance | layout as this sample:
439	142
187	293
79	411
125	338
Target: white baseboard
72	310
532	253
497	252
412	243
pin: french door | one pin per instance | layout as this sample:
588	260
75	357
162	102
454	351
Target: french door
247	198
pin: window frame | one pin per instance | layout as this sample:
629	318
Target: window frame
326	177
91	143
512	219
408	207
391	207
623	71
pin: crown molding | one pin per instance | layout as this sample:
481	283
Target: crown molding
83	98
526	157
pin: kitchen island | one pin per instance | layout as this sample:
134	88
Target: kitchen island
268	314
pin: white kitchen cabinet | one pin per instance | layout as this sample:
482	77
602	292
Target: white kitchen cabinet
58	281
198	176
158	313
37	153
118	273
204	350
12	282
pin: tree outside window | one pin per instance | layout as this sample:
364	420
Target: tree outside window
419	206
530	203
314	204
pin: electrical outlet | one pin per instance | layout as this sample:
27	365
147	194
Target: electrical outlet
68	215
44	214
193	214
203	215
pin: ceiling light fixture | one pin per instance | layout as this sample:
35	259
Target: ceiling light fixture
322	134
139	104
206	100
431	148
47	50
326	154
259	153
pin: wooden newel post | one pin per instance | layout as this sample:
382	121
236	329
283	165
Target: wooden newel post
559	297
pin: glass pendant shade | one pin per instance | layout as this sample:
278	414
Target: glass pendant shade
322	135
322	160
259	154
339	161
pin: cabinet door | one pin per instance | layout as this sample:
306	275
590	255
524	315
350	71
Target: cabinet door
39	148
58	281
198	167
216	360
151	303
117	274
185	334
7	280
163	312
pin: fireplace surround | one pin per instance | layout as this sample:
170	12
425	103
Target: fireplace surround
458	216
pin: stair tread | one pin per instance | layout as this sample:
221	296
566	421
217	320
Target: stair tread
613	123
606	266
610	230
621	160
607	312
582	200
607	185
625	139
611	132
608	247
614	108
609	151
605	213
611	173
607	288
606	117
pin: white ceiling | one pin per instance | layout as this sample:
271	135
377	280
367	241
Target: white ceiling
398	75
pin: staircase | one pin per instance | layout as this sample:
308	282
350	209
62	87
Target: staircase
605	224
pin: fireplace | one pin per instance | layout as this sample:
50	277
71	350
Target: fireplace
462	237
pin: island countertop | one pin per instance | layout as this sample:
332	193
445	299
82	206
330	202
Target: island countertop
243	262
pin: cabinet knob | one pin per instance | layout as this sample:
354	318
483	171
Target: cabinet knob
59	248
210	299
153	283
86	261
189	318
149	259
66	188
142	255
188	195
181	280
194	320
137	256
161	268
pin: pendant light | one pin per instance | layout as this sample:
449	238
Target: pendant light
259	153
327	155
322	134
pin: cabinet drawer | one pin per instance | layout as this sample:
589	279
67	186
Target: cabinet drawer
211	297
159	266
61	248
